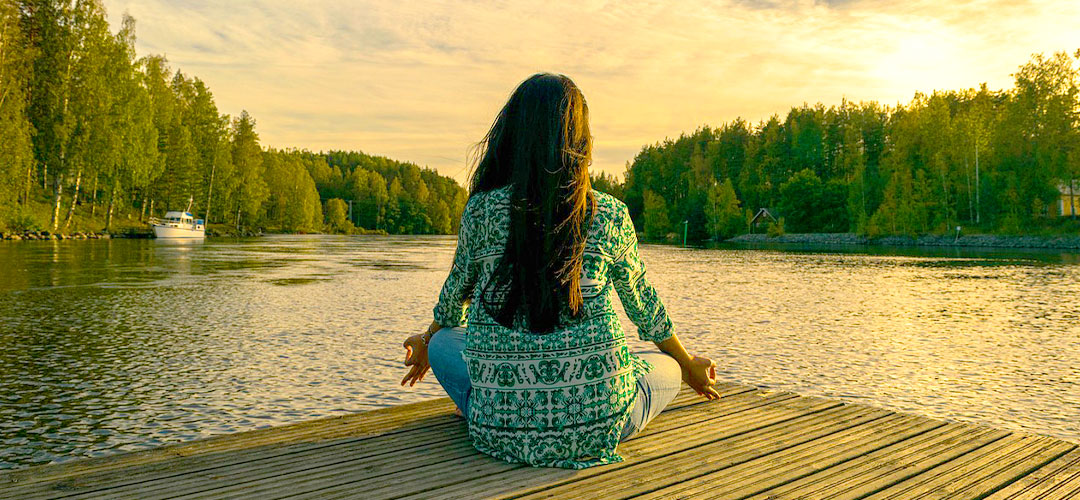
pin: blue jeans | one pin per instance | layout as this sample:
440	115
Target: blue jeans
654	390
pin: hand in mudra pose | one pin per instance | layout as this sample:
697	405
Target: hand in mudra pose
416	356
699	373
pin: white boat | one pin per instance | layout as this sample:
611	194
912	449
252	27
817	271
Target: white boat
178	225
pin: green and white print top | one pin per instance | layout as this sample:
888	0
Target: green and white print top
559	399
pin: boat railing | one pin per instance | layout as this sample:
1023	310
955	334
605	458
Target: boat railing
155	221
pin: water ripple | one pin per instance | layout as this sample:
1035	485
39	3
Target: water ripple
121	345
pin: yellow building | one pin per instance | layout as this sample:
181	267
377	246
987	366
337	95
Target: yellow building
1069	203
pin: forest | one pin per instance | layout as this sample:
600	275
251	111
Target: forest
989	161
94	137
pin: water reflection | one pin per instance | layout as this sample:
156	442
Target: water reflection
124	344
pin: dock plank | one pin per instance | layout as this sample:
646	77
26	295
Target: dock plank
753	443
347	480
784	466
863	475
654	443
980	472
1057	480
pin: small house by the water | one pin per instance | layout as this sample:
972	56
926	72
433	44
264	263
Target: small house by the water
763	217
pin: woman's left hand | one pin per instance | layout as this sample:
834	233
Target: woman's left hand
416	357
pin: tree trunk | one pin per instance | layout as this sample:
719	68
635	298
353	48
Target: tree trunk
945	201
26	186
1072	197
238	217
151	215
58	187
210	193
971	199
978	190
109	212
74	200
93	201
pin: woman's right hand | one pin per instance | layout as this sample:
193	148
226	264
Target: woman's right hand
700	374
416	357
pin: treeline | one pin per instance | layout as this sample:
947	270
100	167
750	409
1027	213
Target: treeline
992	160
92	132
397	197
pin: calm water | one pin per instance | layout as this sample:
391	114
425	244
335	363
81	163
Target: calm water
108	346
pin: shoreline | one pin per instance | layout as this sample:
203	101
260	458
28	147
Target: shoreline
146	233
102	235
964	241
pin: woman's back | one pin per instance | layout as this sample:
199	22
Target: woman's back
543	371
559	398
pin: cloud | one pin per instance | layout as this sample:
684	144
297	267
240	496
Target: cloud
421	81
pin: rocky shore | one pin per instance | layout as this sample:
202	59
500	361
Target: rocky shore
46	235
123	233
975	240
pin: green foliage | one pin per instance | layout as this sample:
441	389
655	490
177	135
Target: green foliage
398	197
16	151
293	200
93	129
657	224
606	183
337	220
21	220
799	199
813	205
775	229
977	158
725	218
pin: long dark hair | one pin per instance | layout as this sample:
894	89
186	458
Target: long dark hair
539	145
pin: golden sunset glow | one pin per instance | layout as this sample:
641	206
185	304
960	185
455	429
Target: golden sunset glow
421	81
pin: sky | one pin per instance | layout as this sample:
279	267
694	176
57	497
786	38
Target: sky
421	81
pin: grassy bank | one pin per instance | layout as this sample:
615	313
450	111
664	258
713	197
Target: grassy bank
36	217
34	222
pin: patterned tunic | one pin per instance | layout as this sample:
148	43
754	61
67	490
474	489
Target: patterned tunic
559	399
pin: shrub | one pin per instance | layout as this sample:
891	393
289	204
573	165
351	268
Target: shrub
775	228
21	222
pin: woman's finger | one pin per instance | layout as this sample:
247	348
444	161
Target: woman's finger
412	373
408	355
420	371
712	392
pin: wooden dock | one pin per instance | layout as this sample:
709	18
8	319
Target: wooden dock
752	443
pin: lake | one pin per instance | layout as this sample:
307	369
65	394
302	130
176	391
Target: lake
117	345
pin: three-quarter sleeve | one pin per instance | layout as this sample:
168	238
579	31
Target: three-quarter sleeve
452	308
638	297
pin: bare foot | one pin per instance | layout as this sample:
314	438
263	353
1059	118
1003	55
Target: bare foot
457	413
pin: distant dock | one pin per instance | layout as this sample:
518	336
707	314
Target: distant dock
752	443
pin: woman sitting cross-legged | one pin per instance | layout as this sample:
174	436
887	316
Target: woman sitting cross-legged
542	371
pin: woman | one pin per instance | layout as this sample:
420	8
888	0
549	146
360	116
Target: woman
542	370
